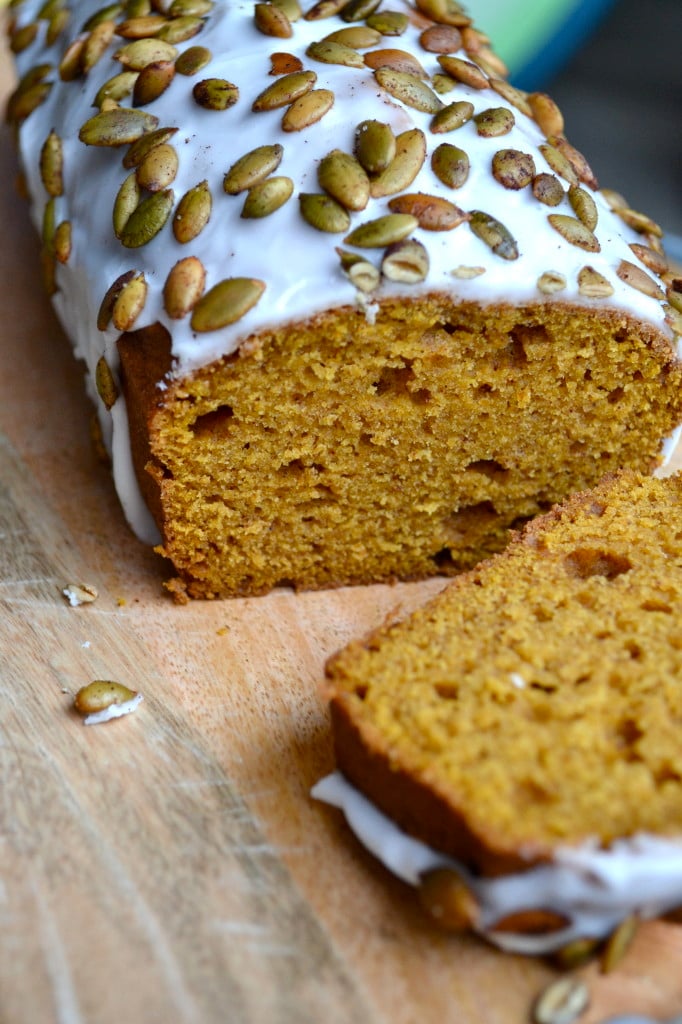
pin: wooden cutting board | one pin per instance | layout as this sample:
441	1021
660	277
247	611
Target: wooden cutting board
171	866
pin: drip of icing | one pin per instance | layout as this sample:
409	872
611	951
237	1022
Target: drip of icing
593	888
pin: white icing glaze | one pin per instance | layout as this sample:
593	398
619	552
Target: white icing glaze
125	707
299	264
594	888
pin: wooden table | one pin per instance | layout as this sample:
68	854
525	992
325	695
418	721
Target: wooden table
171	866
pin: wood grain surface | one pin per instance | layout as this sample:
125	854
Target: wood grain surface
171	866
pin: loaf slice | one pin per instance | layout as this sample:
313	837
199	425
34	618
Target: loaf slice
529	716
351	307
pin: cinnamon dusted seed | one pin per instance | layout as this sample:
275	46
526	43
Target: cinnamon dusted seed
639	222
358	10
140	52
494	121
448	12
513	169
215	93
450	164
61	242
547	189
558	162
674	294
574	231
139	149
52	165
178	30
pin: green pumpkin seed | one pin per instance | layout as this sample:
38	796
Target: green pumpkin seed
140	52
335	53
147	220
388	23
324	9
410	154
52	165
494	121
450	164
179	30
575	954
272	21
357	37
141	27
546	113
307	110
129	303
57	25
193	60
22	37
451	117
252	168
70	64
513	169
639	279
558	162
574	232
447	12
152	82
576	159
190	8
137	8
584	206
548	189
215	94
266	197
374	145
512	95
116	88
323	213
406	261
285	90
639	222
61	242
291	8
382	231
49	222
358	10
107	305
409	90
117	127
192	213
127	200
226	303
463	71
443	84
106	385
343	178
145	144
494	234
184	287
108	13
22	104
363	274
159	168
655	261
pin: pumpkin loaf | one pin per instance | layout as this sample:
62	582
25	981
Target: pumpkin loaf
351	304
525	724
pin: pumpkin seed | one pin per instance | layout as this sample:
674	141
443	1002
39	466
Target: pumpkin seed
576	953
285	90
441	39
593	285
22	104
584	206
655	261
443	84
80	593
272	21
117	127
129	303
433	212
517	97
226	303
357	37
324	9
374	145
61	242
215	94
673	318
494	121
252	168
178	30
307	110
323	213
100	695
389	23
109	104
358	10
450	164
190	8
562	1002
70	64
615	200
116	88
48	266
335	53
184	287
410	154
494	234
451	117
108	13
147	219
448	900
639	222
127	200
618	943
574	231
546	113
397	60
674	294
489	62
363	274
344	179
96	45
576	159
406	261
448	12
106	385
267	196
52	165
192	213
639	279
141	27
137	8
547	189
145	144
284	64
193	60
512	168
49	222
291	8
467	273
152	82
463	71
46	11
107	305
159	168
382	231
409	90
22	37
558	162
140	52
